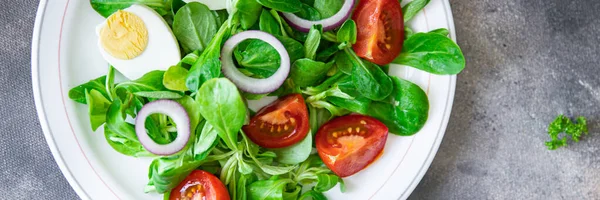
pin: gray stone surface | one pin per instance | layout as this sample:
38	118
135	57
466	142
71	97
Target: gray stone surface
528	61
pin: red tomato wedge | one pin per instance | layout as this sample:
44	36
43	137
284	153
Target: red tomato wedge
279	124
350	143
381	33
200	185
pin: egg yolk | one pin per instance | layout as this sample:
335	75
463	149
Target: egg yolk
124	36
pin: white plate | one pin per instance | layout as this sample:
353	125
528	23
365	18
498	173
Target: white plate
64	55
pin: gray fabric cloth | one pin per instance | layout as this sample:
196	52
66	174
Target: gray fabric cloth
528	60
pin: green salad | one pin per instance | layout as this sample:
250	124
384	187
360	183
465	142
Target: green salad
325	61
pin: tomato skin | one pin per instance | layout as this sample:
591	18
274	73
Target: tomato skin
350	143
201	185
279	124
381	35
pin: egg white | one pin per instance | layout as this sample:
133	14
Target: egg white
161	52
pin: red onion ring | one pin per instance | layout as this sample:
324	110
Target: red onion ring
249	84
177	113
330	23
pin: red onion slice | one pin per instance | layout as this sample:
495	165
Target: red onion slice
249	84
178	115
328	24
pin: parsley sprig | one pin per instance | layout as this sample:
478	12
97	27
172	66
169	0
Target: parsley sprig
563	124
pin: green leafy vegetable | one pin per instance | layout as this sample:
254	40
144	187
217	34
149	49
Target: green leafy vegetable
441	31
223	107
159	94
248	11
312	41
108	7
194	26
306	72
174	78
291	6
124	145
347	32
208	65
151	81
433	53
309	13
268	189
328	8
296	153
176	5
78	93
97	108
407	110
268	24
369	79
563	124
412	8
115	120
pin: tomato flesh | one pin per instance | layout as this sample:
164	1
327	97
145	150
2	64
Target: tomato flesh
279	124
350	143
200	185
381	35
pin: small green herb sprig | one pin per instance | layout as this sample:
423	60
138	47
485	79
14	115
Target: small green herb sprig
563	124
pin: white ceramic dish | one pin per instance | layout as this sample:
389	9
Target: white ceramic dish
64	54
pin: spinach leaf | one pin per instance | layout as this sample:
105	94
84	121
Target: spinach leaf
159	94
312	41
328	8
433	53
325	182
347	32
312	195
291	6
208	65
192	107
78	93
358	104
268	189
115	120
125	146
441	31
174	78
343	62
408	32
268	24
412	8
176	5
296	153
407	111
166	172
242	185
194	26
108	7
309	13
326	53
248	11
110	83
206	138
223	107
306	72
259	58
151	81
293	195
294	48
97	108
369	79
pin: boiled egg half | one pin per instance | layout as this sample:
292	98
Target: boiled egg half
137	40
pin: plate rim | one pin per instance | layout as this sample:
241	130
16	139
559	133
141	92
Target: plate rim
77	187
37	96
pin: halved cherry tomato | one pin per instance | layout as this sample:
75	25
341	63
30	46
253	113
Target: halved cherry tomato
279	124
350	143
200	185
381	33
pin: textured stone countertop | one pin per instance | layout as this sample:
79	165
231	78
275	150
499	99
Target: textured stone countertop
527	61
